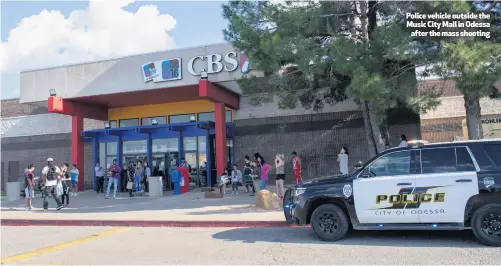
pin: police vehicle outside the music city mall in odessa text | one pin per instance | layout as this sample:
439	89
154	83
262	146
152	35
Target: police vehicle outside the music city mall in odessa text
439	186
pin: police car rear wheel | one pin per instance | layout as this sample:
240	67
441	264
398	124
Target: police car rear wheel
486	224
329	222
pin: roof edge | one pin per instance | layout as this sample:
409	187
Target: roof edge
117	58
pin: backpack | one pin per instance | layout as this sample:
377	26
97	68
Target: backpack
51	173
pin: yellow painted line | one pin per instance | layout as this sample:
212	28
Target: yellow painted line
71	243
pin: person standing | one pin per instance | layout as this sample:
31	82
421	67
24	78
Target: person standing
236	178
29	186
403	142
74	179
280	165
114	176
99	171
147	174
138	177
65	180
50	175
256	174
342	159
296	167
248	176
131	172
265	169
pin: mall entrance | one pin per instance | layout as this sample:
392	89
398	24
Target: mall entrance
162	151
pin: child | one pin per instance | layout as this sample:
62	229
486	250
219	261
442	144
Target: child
224	180
236	178
74	179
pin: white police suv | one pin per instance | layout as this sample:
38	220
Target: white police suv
440	186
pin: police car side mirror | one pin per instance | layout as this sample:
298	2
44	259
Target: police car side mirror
365	173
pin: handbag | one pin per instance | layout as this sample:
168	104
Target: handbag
130	185
59	189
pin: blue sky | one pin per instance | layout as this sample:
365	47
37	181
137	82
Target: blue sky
197	23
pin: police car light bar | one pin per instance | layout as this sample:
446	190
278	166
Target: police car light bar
417	143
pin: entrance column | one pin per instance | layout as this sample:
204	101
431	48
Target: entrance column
95	156
77	148
220	117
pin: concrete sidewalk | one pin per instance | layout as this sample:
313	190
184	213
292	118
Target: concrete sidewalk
191	206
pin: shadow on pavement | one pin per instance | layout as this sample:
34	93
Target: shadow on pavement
251	208
459	239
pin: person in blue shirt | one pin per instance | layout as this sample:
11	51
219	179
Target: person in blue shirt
74	179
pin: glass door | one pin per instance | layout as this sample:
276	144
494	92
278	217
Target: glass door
191	159
190	145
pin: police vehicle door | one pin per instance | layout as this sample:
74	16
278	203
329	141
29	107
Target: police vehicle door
448	179
382	189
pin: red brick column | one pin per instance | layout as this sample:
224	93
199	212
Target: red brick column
77	148
220	118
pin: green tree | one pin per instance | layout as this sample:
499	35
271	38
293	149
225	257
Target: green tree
331	50
475	67
474	63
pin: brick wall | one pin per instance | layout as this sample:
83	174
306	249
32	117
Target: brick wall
442	129
36	149
317	139
12	107
447	87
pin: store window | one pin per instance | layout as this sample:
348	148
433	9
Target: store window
164	145
110	124
134	147
107	153
202	151
211	117
129	122
102	154
190	143
181	118
229	147
146	121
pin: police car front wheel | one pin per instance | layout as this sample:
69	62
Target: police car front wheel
329	222
486	224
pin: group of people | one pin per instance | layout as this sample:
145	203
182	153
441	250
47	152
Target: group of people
255	174
137	178
138	175
60	182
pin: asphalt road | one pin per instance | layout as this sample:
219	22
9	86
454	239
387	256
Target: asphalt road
122	246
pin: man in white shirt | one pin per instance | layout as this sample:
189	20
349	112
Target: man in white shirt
50	176
99	177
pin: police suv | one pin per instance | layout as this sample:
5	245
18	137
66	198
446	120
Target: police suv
440	186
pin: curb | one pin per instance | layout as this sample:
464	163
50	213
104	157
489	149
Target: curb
142	223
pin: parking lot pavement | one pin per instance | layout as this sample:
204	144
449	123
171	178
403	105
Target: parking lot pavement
237	246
